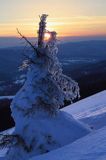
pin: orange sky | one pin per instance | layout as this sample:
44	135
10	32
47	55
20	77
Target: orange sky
66	17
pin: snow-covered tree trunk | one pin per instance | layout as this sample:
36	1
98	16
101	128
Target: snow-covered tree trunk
39	124
42	29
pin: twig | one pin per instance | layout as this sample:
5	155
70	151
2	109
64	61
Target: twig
23	37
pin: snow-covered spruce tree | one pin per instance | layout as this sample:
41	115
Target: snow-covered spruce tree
39	124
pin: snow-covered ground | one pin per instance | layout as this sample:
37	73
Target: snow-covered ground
92	111
90	147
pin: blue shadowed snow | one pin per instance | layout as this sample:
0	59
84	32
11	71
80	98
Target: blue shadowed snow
92	111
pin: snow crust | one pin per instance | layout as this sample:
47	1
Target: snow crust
90	147
91	110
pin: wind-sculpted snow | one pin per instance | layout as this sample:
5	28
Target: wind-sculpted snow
90	147
91	110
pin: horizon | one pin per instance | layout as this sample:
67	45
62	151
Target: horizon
14	41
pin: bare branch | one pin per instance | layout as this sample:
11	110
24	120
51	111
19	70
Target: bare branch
23	37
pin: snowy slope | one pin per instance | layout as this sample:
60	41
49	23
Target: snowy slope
90	147
91	110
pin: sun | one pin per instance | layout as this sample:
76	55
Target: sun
47	36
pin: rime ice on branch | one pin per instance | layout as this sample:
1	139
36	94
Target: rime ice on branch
42	29
39	124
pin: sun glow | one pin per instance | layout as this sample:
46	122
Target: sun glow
47	36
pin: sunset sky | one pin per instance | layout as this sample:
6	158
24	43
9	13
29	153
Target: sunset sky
67	17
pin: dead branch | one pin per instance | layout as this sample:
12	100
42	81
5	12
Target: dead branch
28	42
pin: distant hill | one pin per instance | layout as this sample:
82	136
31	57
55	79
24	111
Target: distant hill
84	61
11	58
84	49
